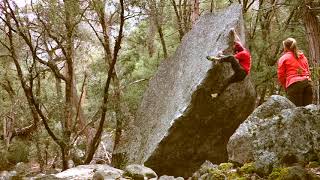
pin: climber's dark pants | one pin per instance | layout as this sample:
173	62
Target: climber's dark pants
300	93
239	72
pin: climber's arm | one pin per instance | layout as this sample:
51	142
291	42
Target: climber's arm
236	37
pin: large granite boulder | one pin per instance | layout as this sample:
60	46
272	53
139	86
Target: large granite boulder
277	133
179	124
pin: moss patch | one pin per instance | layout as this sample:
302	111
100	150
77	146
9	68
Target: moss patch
247	168
278	174
225	166
216	174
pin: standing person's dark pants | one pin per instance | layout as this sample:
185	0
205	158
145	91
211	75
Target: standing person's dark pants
300	93
239	72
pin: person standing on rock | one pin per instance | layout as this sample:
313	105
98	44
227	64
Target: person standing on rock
294	74
240	62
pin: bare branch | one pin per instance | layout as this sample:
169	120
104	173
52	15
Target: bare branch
5	55
134	82
96	33
80	18
79	103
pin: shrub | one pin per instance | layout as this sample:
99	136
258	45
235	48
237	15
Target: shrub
18	152
278	174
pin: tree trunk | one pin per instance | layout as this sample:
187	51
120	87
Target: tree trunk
212	6
27	90
80	122
39	153
163	43
69	8
313	35
96	139
58	87
119	113
196	11
154	13
178	17
151	36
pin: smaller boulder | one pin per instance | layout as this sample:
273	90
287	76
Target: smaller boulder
204	169
165	177
139	172
46	177
106	175
9	175
88	171
277	133
71	163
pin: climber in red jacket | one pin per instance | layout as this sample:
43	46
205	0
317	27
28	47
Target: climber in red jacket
294	74
240	61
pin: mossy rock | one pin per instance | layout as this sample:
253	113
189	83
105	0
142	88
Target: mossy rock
216	174
291	173
236	176
241	178
278	174
225	166
248	168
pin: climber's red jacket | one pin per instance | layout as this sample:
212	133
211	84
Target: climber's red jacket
291	70
243	56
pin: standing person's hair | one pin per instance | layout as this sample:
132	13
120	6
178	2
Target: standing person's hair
290	44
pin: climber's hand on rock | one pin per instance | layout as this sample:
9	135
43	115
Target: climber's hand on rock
232	30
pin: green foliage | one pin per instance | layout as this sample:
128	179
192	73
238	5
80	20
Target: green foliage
4	162
120	160
265	42
137	64
278	174
134	95
247	168
18	151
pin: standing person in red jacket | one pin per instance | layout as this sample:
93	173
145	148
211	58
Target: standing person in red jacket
240	62
294	74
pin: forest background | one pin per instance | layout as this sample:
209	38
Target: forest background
73	70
